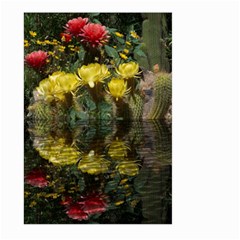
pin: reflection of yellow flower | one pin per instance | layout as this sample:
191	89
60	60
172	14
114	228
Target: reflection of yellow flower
93	164
93	73
128	167
56	151
56	85
123	56
118	88
119	34
33	34
128	70
134	34
118	149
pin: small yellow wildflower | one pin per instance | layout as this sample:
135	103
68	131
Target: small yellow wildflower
51	53
134	34
123	56
126	51
39	42
71	46
61	48
118	34
33	34
128	43
115	47
26	43
47	61
119	203
47	41
55	41
56	57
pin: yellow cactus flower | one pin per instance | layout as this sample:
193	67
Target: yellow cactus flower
134	34
123	56
128	70
118	150
128	167
118	34
93	164
46	89
68	82
118	88
33	34
93	73
56	85
126	51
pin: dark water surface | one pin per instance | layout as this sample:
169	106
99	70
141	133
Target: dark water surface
104	172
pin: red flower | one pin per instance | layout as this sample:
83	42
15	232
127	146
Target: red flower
66	200
75	211
94	34
65	37
36	59
36	178
76	25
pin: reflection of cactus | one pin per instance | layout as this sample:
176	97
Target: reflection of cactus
154	29
162	96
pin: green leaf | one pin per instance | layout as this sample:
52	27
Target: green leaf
111	52
96	21
121	40
140	53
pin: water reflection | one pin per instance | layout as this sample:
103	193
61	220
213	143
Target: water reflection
100	172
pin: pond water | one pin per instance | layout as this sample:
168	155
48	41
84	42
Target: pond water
101	172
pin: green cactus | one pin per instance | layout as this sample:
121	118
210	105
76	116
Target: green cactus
154	29
162	96
136	106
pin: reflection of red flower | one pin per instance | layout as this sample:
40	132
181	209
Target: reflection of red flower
90	205
36	59
36	178
75	25
94	34
75	212
65	37
94	206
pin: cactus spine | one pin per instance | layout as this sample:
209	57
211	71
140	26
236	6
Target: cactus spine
162	96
